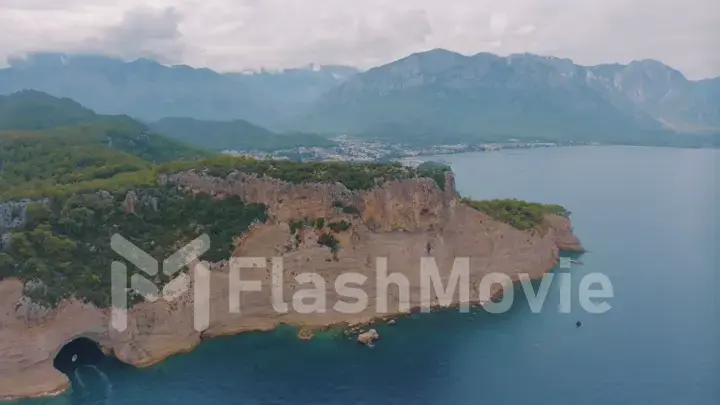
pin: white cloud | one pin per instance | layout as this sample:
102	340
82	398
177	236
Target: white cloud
240	34
525	29
498	23
142	32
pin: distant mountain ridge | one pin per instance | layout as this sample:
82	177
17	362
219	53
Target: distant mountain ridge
518	95
237	135
298	86
151	91
660	91
436	94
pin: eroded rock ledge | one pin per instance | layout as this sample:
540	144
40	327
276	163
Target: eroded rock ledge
401	220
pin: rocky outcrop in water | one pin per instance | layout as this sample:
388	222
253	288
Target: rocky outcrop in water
369	337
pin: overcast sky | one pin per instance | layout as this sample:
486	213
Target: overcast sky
232	35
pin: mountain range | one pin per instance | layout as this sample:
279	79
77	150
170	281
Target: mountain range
150	91
431	95
519	95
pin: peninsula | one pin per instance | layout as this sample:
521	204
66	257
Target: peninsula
401	218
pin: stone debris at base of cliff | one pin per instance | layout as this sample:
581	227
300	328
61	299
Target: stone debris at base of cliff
305	333
369	337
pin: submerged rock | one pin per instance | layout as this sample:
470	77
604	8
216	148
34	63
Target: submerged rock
306	333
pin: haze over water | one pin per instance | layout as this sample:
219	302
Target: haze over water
649	218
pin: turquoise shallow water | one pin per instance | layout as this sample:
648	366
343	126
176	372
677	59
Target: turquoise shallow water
649	217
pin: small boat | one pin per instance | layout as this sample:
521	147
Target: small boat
576	262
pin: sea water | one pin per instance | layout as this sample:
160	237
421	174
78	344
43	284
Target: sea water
649	218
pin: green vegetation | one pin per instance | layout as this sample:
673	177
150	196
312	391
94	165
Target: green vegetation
346	209
351	209
435	171
355	176
239	135
517	213
33	160
297	224
329	240
325	239
33	110
319	223
339	226
66	246
89	153
68	123
82	158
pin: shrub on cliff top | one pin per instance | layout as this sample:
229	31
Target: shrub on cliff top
517	213
435	171
355	176
330	241
339	226
297	224
346	209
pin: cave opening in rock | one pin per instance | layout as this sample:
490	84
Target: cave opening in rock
78	352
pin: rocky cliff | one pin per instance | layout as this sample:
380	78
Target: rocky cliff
401	221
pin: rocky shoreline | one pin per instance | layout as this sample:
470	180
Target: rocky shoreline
400	221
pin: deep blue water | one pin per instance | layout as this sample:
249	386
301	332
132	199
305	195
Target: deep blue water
649	217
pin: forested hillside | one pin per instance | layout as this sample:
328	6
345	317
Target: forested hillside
48	144
238	135
33	110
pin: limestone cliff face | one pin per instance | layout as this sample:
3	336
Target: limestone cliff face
397	205
401	221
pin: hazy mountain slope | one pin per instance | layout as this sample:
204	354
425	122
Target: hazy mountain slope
143	88
151	91
232	135
299	86
520	95
660	91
